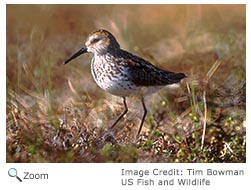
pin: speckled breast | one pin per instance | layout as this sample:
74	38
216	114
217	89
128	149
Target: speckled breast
112	78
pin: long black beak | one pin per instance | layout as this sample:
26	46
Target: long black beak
76	54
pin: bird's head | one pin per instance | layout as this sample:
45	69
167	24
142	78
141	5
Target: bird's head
98	42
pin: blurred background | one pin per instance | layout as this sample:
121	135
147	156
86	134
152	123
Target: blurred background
53	107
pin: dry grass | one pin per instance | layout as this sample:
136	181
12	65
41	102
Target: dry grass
57	113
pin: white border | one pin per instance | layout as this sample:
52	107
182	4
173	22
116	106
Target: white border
94	176
3	84
126	2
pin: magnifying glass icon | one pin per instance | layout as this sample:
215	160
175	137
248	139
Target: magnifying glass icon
13	173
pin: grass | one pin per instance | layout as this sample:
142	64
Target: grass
57	113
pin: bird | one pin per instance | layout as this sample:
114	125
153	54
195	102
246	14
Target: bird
122	73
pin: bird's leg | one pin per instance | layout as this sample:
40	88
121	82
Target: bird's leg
122	114
144	115
108	135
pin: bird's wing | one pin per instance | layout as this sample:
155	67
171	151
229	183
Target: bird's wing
143	73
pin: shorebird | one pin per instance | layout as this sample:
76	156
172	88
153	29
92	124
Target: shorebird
122	73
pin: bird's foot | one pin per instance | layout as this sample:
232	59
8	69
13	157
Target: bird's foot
108	136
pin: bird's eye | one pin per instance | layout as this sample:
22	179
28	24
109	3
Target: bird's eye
95	40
